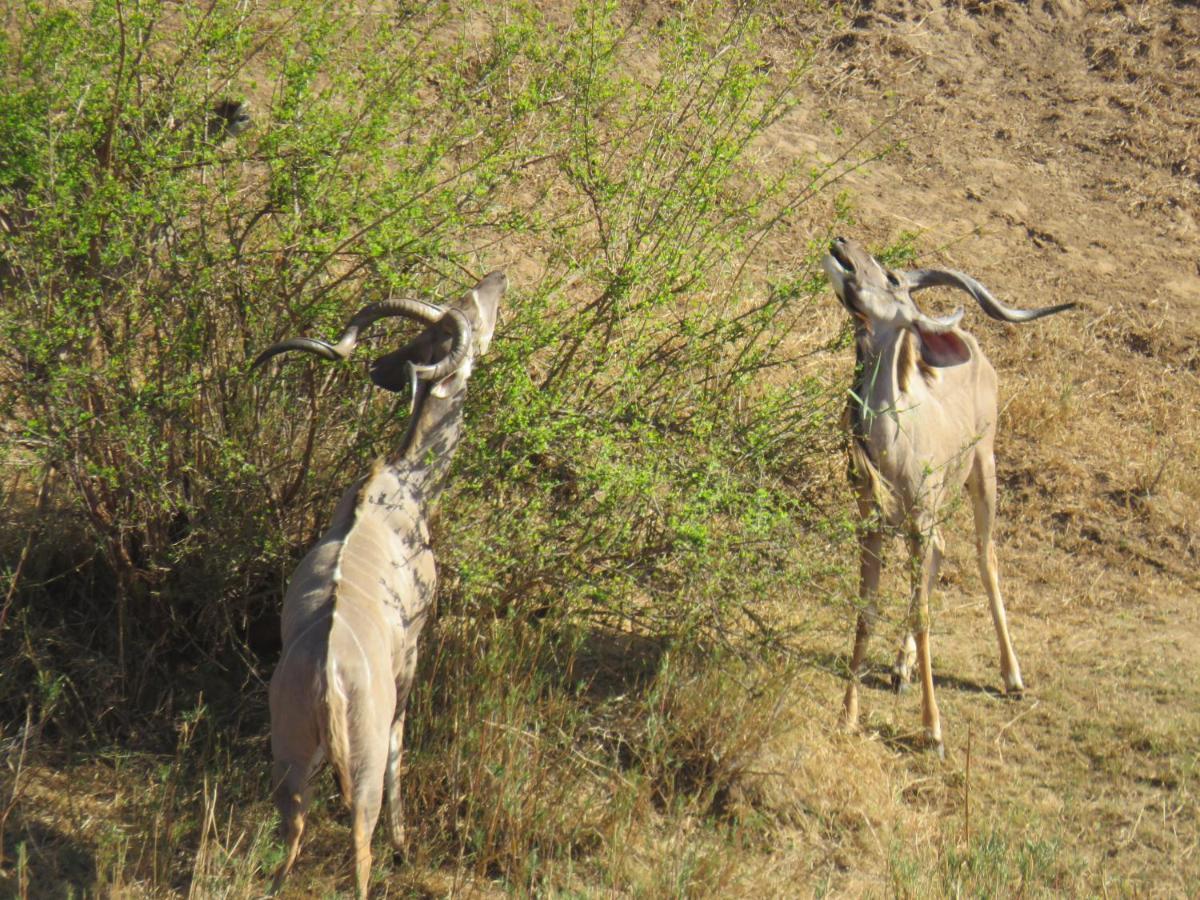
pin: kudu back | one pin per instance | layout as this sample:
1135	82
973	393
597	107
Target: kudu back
356	604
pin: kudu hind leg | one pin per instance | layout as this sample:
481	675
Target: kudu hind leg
982	486
926	553
395	807
906	662
871	561
292	793
366	801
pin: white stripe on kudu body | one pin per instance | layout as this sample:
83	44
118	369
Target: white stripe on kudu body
356	604
922	420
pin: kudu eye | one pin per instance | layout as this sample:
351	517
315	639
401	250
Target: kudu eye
892	279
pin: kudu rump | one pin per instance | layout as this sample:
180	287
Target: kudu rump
922	417
357	602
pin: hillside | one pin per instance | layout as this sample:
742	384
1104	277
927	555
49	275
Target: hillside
1050	150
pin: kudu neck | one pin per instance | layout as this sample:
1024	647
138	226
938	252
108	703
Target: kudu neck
432	436
875	390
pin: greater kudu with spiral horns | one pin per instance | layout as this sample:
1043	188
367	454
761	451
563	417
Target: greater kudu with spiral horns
356	604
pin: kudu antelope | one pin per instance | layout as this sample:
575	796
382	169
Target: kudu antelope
357	602
922	421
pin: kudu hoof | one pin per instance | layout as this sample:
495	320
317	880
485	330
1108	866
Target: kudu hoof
933	742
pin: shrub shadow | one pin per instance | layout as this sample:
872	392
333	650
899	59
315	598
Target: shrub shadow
58	865
612	664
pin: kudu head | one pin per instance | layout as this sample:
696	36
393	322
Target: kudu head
879	299
436	362
478	307
229	118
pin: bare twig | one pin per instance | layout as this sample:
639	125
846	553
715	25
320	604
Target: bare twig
1015	719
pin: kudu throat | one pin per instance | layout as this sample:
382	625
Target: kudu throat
873	390
430	440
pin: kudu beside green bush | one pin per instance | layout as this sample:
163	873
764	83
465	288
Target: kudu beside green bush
626	463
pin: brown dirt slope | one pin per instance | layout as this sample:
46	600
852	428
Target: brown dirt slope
1050	149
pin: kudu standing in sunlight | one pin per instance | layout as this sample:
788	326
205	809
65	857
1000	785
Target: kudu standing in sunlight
357	602
922	417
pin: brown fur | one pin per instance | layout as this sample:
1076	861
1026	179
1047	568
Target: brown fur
910	362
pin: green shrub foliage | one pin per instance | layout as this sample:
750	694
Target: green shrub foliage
635	456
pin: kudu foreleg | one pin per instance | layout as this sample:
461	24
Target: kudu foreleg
870	564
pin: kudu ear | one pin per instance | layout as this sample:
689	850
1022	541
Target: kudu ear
941	347
479	307
454	382
392	371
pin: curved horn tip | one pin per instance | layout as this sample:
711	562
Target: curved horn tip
259	360
308	345
953	319
459	350
1060	307
263	358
